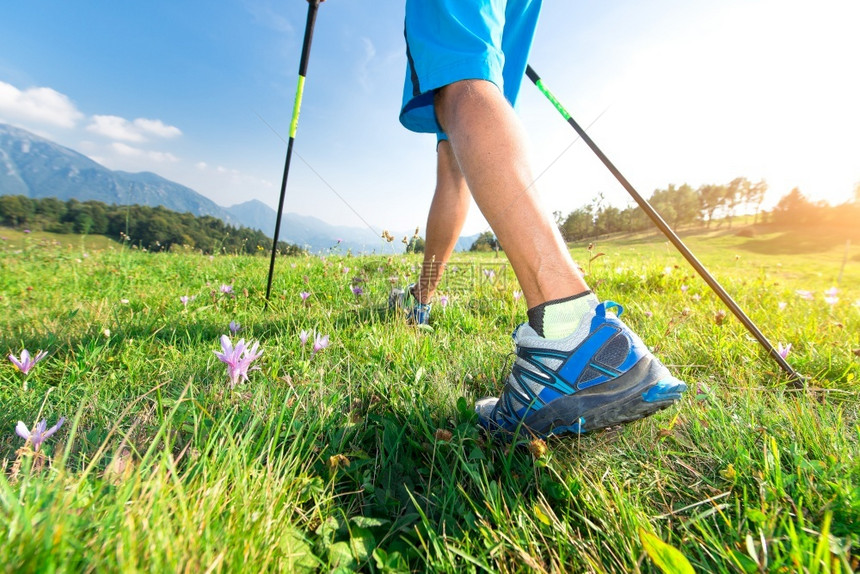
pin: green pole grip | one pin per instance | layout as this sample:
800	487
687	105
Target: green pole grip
294	124
551	98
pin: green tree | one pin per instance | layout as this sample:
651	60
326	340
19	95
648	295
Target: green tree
793	208
608	220
83	223
51	208
756	197
16	209
636	219
578	224
711	198
736	193
98	213
686	205
485	242
415	245
663	202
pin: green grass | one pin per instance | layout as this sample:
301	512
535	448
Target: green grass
365	456
14	239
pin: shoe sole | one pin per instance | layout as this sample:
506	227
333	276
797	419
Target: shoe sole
640	392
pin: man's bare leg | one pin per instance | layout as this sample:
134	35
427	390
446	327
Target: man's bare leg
488	143
445	221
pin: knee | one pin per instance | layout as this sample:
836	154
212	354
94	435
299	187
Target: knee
450	99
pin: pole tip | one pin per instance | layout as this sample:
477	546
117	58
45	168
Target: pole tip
797	381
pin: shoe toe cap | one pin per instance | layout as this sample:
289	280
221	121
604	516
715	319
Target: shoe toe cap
484	407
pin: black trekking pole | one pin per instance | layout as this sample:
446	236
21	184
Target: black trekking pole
794	377
313	5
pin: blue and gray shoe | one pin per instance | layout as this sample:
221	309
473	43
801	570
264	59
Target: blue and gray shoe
600	376
417	313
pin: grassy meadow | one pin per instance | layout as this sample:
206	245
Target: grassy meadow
364	455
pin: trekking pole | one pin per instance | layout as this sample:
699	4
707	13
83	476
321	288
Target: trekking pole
313	5
794	378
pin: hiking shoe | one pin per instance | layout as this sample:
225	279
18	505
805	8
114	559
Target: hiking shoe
602	375
418	314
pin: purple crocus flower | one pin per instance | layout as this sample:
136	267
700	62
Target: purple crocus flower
517	295
234	327
26	362
303	336
238	358
39	434
357	291
226	289
320	342
184	300
304	295
804	294
783	351
443	300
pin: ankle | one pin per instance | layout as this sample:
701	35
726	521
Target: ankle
560	317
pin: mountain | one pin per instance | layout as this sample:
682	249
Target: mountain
36	167
309	231
465	242
255	214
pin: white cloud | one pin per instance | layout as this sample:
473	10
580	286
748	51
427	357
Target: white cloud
118	128
128	151
42	105
162	156
269	16
115	127
363	66
157	128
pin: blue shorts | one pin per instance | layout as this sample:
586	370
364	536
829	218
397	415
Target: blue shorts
452	40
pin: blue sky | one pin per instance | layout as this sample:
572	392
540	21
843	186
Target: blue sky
678	91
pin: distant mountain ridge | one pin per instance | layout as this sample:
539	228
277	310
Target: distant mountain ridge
36	167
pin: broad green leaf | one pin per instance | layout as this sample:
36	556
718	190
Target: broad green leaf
297	552
369	521
539	513
362	543
667	558
340	555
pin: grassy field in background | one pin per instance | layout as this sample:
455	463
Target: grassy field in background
365	455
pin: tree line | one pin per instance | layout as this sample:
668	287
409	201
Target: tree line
151	228
709	204
683	205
